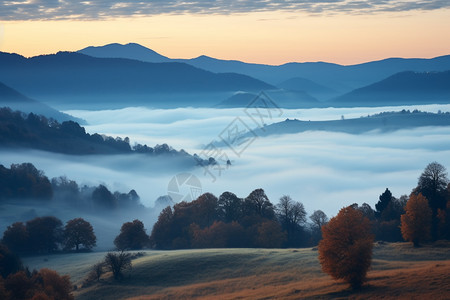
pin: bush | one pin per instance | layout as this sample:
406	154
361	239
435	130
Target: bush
117	263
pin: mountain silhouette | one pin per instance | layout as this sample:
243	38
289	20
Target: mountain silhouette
16	101
74	77
130	51
401	89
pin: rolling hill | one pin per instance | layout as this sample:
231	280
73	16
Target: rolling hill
401	88
398	271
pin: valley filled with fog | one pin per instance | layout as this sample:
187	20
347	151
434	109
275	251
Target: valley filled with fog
323	170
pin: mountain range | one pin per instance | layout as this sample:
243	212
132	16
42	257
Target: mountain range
74	77
114	76
335	77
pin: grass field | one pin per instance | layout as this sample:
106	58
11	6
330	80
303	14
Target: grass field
398	271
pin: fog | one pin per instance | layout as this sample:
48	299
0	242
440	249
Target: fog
323	170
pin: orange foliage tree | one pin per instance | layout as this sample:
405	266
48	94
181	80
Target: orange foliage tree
345	251
416	222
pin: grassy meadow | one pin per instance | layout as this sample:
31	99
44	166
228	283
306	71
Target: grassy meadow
398	271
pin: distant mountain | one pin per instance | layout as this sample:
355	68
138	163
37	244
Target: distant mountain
339	78
383	122
280	98
401	89
336	77
130	51
16	101
68	77
315	89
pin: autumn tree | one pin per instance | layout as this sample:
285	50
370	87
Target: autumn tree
45	284
345	251
117	263
15	237
79	232
132	236
270	235
416	222
162	232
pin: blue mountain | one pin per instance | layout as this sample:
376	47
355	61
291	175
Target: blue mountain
68	77
401	88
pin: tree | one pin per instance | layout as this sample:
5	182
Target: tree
416	222
79	232
15	237
292	216
383	203
258	204
9	262
45	284
132	236
345	251
117	263
230	207
270	235
433	186
162	232
103	198
45	234
318	219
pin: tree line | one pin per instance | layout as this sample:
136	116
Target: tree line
18	129
25	182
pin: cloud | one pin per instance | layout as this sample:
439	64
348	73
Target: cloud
65	9
321	169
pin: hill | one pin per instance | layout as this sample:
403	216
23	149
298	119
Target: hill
75	78
282	98
383	122
401	88
398	270
18	130
16	101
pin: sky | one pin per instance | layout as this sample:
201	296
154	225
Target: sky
270	32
